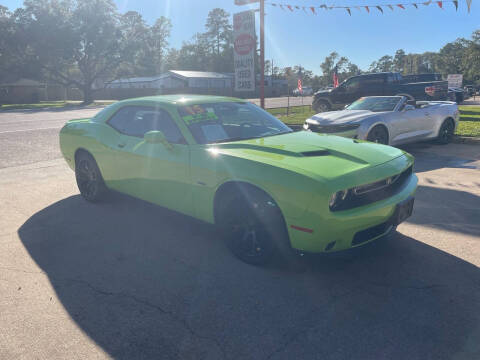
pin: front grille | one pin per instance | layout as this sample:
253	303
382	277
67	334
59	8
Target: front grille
377	191
370	233
330	129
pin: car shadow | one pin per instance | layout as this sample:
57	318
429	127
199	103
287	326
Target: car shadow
427	161
145	282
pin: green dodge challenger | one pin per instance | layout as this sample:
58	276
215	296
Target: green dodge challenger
228	162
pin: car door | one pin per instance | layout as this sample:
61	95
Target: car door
346	93
410	124
159	173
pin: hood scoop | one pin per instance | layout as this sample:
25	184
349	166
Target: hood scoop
315	153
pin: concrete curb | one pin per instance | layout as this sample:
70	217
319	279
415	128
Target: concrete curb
466	140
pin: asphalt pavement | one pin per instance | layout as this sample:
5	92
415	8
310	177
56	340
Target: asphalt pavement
126	279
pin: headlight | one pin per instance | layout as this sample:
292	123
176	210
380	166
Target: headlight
338	198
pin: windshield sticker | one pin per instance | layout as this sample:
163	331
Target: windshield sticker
192	119
214	132
196	113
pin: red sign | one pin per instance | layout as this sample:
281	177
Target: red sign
430	90
299	85
244	43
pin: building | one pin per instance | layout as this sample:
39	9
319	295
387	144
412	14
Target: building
176	79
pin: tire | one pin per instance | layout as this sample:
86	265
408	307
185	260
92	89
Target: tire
320	106
254	230
408	96
378	134
89	179
445	133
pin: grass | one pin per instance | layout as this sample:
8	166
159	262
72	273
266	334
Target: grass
50	105
469	118
296	114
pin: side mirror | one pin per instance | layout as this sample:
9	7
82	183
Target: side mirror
408	107
156	137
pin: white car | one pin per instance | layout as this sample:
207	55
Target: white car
390	120
306	91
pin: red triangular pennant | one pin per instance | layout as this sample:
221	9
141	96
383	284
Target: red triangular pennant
290	7
366	8
313	9
440	4
401	6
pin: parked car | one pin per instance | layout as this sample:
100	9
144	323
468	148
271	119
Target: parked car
228	162
471	90
306	91
390	120
456	94
379	84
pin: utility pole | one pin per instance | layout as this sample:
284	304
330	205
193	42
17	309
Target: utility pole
262	54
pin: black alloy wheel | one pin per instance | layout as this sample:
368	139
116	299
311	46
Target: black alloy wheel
378	135
89	179
320	106
247	237
445	134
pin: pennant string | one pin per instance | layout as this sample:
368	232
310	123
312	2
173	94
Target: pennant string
440	3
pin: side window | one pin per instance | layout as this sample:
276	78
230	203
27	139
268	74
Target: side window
353	85
120	120
137	120
161	120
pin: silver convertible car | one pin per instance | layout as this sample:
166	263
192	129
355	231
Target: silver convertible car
390	120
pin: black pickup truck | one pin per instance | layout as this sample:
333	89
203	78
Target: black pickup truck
378	84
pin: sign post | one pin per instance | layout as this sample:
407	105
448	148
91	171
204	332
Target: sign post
262	48
262	54
244	50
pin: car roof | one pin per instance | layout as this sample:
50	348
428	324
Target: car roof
181	99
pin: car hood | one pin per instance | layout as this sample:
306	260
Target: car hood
313	154
341	117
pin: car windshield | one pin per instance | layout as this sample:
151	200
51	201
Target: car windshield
229	121
375	104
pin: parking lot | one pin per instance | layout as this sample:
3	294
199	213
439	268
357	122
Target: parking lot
127	279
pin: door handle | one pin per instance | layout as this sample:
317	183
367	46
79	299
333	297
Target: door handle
121	145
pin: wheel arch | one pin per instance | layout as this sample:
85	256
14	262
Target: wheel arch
408	96
232	188
381	124
79	151
323	99
448	118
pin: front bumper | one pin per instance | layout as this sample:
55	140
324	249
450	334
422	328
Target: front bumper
342	230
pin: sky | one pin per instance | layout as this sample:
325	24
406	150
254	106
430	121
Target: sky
297	38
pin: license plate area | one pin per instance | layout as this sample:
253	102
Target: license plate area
403	210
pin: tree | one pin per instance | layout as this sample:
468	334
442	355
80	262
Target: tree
343	66
74	42
218	30
399	61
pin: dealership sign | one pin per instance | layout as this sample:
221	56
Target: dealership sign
245	2
244	50
455	80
